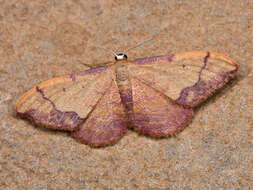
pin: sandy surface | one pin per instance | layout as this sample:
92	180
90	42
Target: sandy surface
44	39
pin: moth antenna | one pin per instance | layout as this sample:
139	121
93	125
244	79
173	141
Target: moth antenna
115	54
138	45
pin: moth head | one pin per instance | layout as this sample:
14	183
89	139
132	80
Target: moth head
120	56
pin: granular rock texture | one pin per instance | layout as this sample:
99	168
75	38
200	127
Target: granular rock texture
44	39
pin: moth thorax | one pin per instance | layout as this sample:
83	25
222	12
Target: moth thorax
122	73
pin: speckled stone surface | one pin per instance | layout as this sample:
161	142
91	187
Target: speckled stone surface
44	39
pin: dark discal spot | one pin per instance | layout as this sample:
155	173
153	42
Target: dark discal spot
183	65
67	120
64	89
202	89
169	58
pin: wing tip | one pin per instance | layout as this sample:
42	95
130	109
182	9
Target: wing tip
192	96
203	90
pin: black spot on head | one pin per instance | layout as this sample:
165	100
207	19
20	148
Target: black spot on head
120	56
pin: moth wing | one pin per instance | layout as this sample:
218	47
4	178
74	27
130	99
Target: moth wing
187	78
154	113
64	102
106	123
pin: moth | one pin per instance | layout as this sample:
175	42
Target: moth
155	96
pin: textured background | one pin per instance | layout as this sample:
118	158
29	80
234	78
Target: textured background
44	38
